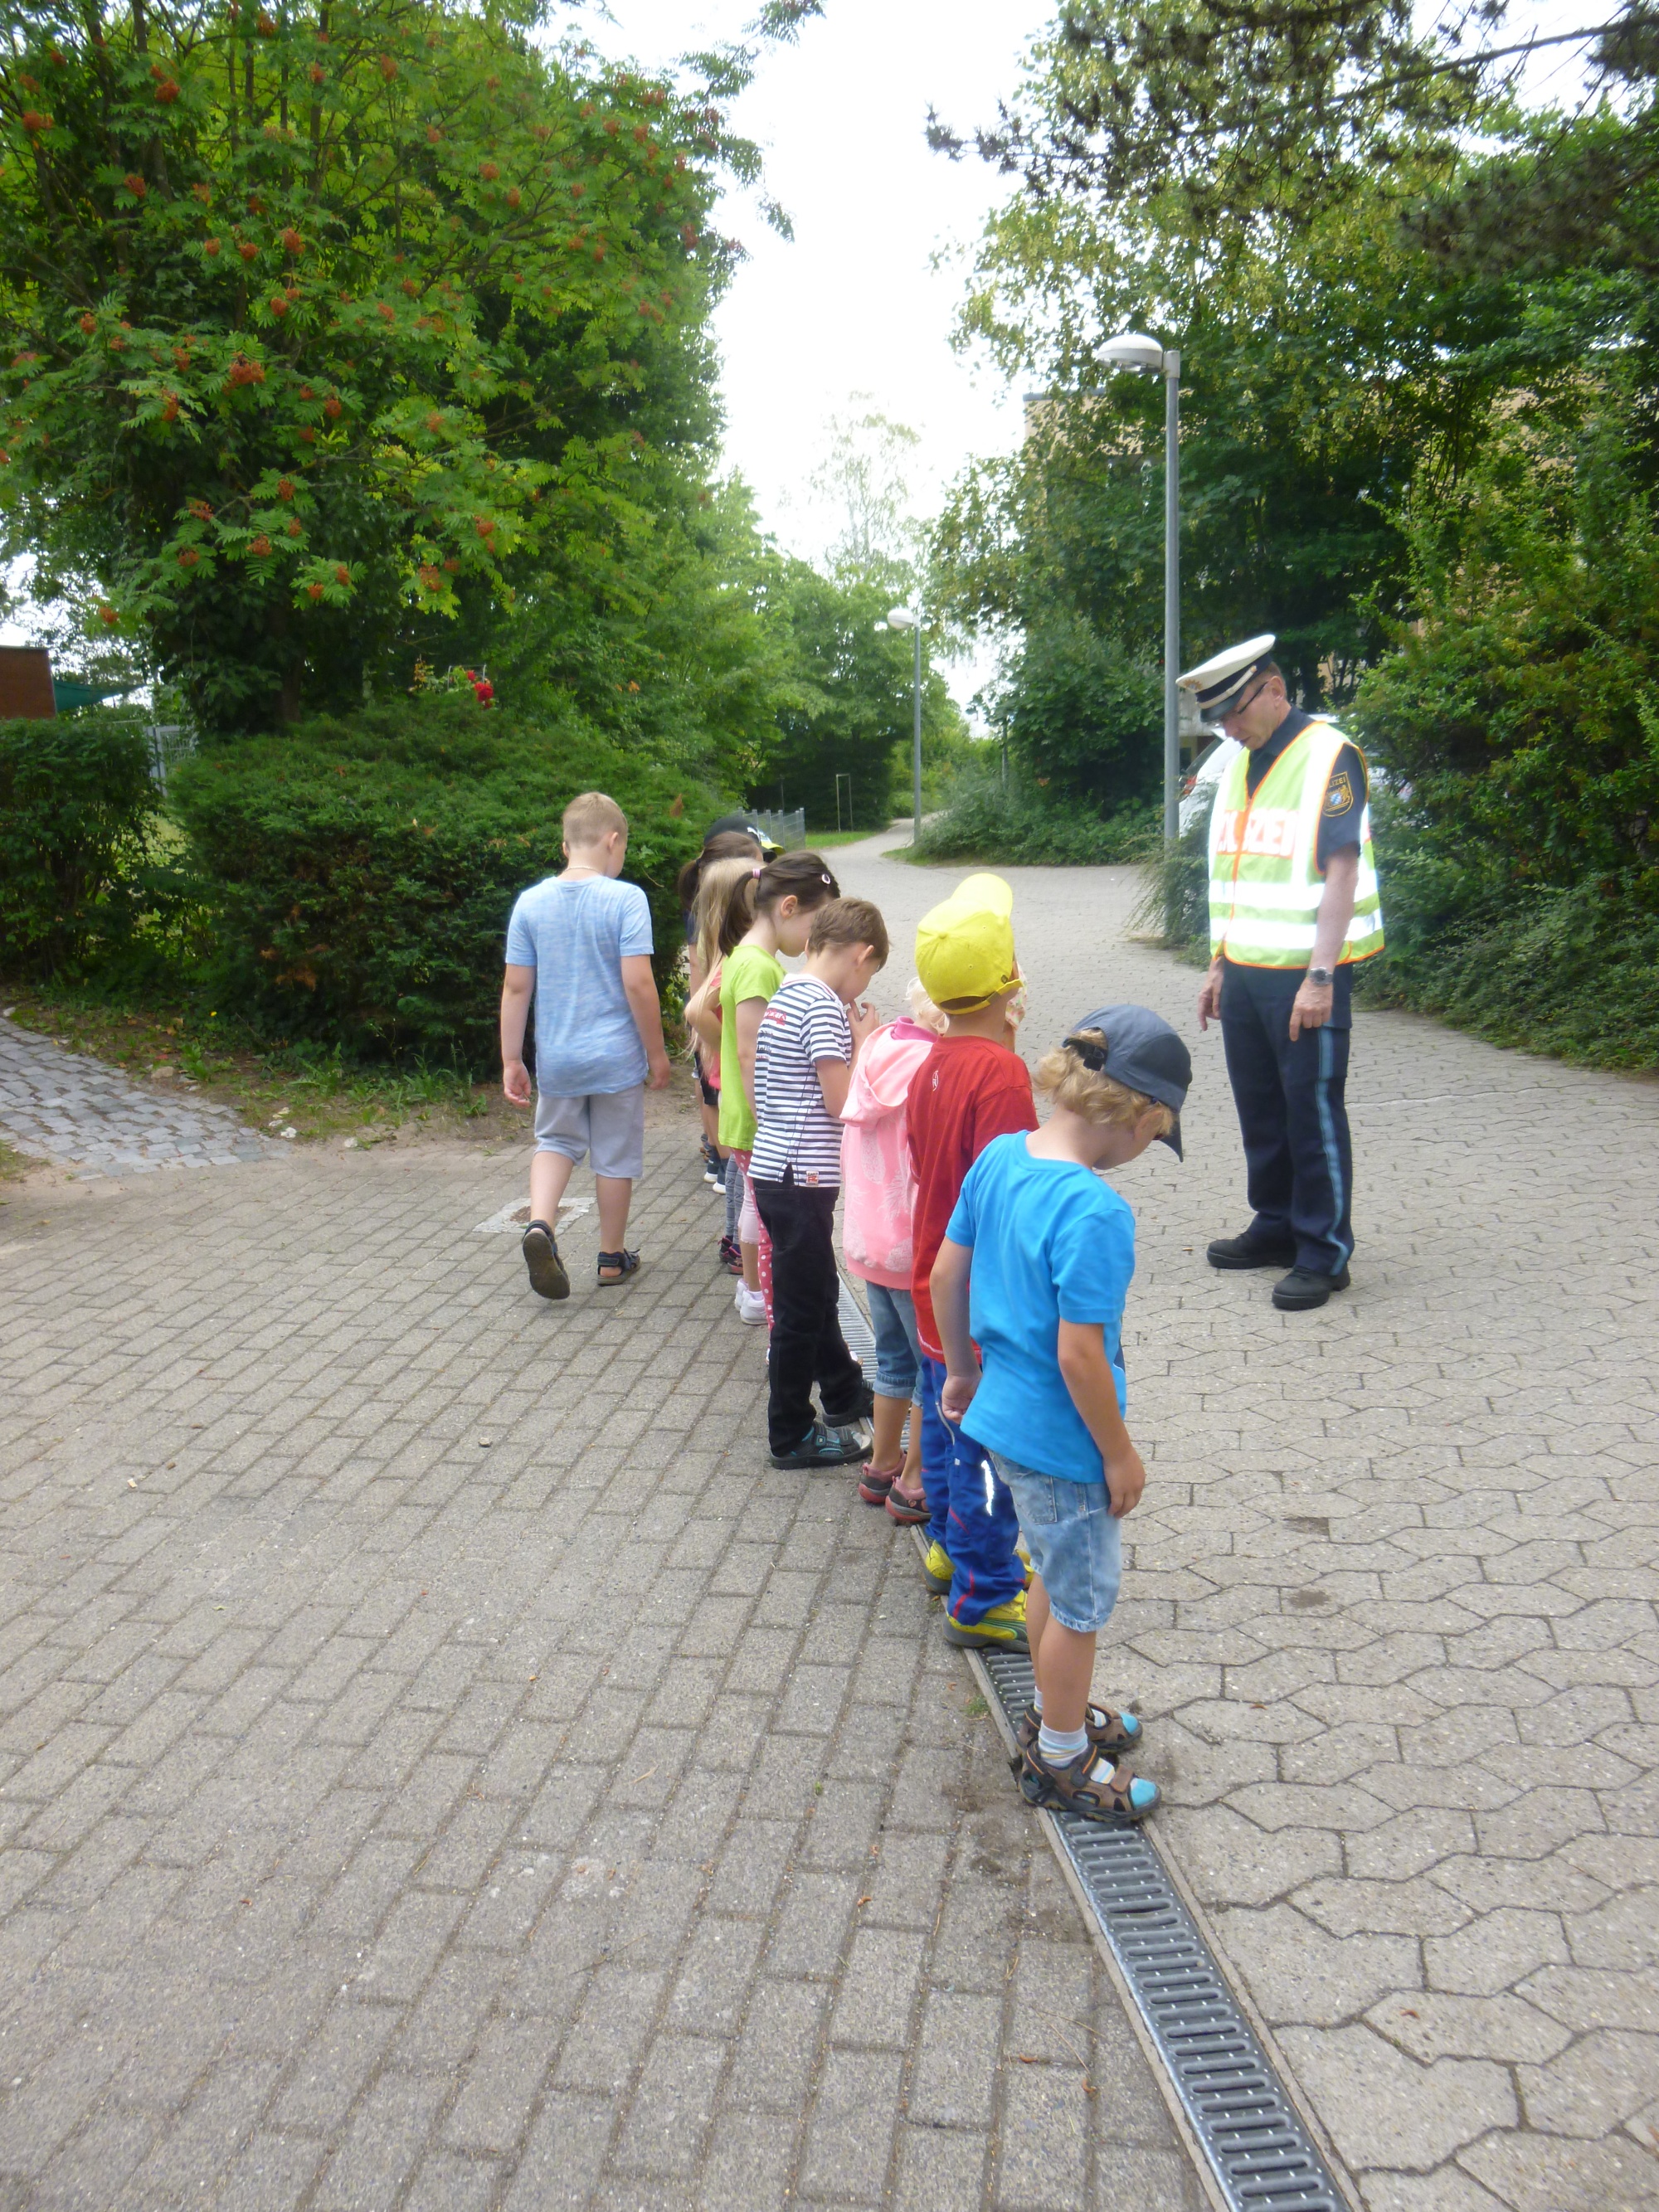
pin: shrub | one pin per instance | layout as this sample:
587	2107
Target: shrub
1022	829
77	803
364	869
1177	906
1570	968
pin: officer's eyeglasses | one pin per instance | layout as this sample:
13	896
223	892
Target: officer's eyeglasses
1232	713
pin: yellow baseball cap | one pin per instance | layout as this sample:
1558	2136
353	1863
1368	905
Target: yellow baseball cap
965	945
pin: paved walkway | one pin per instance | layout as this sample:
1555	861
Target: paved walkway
441	1764
1392	1593
77	1112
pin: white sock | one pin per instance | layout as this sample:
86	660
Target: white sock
1057	1746
1037	1703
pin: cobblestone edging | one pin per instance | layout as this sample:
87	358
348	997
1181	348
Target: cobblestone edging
76	1112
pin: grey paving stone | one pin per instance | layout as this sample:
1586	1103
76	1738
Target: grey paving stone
607	1775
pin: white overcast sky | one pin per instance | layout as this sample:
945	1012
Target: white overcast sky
852	314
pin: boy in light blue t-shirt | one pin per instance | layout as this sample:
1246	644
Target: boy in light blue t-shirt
1035	1269
581	942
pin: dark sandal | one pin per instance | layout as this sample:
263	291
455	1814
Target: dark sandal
541	1256
907	1510
625	1263
1108	1733
1068	1788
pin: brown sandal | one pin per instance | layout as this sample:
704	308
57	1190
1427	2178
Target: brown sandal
1110	1734
1111	1800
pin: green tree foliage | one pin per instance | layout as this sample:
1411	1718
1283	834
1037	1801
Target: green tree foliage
1084	720
326	321
847	703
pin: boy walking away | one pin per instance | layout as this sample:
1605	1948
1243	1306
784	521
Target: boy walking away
1035	1269
804	1058
581	942
972	1087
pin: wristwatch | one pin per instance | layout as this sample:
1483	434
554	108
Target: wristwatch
1321	976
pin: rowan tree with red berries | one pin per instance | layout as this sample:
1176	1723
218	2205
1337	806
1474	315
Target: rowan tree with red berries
316	317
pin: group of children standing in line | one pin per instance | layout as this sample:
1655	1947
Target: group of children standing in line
995	1261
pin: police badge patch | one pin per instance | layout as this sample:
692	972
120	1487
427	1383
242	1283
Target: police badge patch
1339	798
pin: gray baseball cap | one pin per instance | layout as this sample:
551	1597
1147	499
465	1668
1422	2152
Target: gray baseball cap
1143	1054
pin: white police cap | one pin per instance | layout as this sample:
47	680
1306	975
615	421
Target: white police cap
1216	682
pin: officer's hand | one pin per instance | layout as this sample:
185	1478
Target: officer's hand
1126	1478
1311	1008
1209	998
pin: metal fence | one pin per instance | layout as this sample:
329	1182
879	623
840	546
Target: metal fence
787	829
169	743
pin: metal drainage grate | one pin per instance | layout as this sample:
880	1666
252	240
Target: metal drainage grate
1263	2155
855	1329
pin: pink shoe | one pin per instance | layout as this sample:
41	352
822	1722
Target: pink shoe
909	1508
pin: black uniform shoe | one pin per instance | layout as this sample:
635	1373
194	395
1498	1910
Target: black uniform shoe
822	1447
1250	1252
1301	1288
862	1408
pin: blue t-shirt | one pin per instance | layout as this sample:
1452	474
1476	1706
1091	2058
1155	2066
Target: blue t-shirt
576	936
1051	1243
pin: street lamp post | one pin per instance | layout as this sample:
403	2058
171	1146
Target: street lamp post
1130	349
910	618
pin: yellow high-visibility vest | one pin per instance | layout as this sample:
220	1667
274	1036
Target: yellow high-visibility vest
1265	882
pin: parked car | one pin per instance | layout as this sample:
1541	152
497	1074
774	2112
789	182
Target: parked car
1199	785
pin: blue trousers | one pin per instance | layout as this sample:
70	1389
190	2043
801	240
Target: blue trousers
1291	1117
970	1510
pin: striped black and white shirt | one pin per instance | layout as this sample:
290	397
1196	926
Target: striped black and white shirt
803	1022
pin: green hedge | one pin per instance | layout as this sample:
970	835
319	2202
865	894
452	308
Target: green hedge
363	869
76	806
1020	828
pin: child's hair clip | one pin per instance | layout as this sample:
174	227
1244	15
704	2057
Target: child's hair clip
826	879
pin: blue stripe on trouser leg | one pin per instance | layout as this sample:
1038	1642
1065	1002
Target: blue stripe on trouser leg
980	1526
1314	1071
1331	1103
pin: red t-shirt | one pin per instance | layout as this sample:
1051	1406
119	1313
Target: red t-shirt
965	1092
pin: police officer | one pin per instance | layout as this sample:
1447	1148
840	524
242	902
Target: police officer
1293	905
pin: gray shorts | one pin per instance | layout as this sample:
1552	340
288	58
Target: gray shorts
610	1124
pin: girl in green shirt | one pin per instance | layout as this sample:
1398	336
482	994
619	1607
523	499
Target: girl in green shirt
782	898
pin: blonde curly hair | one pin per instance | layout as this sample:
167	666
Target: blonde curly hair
1066	1075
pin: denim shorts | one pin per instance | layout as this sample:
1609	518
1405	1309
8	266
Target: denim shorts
1076	1546
898	1350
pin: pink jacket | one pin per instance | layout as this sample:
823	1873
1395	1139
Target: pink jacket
877	1189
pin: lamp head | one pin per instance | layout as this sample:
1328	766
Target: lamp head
903	618
1133	350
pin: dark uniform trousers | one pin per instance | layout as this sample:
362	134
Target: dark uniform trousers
1291	1113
